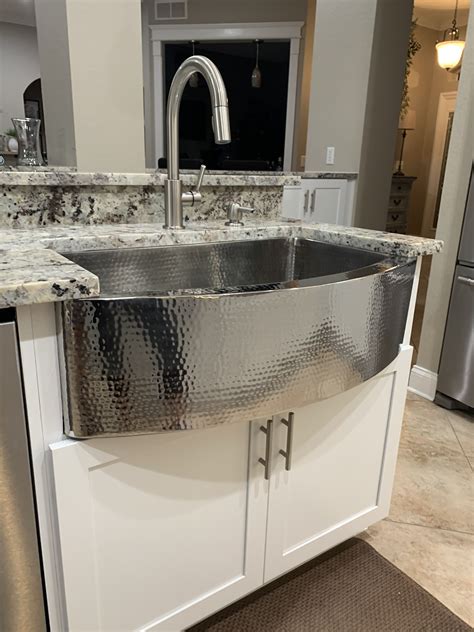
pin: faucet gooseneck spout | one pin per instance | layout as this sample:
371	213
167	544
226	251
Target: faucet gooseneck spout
174	197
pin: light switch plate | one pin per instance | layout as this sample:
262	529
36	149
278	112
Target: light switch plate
330	152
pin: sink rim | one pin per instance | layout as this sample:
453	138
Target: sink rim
385	264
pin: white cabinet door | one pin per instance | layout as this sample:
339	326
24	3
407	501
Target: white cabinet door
159	531
342	467
324	201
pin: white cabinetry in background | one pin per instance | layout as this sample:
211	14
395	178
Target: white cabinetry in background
321	200
160	531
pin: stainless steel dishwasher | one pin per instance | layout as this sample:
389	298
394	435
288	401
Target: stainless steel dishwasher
22	604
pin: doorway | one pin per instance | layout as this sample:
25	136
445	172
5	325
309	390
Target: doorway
442	136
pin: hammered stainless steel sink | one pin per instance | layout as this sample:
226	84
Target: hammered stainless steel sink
190	336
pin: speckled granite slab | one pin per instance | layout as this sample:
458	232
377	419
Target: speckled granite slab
61	176
31	271
329	175
42	276
65	197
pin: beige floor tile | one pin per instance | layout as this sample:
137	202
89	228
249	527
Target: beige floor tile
463	426
426	429
434	490
440	561
413	397
471	461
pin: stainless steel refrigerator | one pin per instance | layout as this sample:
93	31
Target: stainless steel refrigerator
456	371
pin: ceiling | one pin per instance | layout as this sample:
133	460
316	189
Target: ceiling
438	14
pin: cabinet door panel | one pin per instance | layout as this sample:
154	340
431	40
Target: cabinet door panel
324	201
159	531
335	486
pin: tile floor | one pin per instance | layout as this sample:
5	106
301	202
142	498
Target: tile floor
430	531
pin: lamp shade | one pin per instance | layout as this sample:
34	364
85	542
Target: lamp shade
408	121
449	53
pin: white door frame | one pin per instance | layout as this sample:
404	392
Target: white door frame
446	105
160	34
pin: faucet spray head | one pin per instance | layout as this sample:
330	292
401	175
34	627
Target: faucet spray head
221	125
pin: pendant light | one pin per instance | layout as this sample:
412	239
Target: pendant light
194	78
256	79
450	49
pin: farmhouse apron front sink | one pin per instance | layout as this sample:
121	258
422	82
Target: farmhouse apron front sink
190	336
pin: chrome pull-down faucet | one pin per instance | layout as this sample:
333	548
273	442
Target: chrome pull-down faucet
174	196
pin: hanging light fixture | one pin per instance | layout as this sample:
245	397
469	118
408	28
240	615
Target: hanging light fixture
194	78
450	49
256	79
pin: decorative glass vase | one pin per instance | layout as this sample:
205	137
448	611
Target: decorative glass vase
29	144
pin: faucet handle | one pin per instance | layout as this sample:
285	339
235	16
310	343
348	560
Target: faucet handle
190	198
202	171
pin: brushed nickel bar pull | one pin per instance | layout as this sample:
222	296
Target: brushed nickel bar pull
313	202
306	200
267	461
289	440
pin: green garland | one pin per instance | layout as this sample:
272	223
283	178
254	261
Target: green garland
413	47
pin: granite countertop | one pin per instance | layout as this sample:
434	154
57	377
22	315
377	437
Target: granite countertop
32	271
63	177
67	176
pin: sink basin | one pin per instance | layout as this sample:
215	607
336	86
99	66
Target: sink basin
189	336
218	267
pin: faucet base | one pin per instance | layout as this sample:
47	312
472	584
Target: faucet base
173	205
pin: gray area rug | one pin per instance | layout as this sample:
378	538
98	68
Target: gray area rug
352	588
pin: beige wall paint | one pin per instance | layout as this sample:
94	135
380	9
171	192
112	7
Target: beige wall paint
426	82
341	60
384	92
216	11
53	46
453	200
105	50
304	87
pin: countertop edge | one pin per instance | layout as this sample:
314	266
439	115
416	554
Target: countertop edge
62	178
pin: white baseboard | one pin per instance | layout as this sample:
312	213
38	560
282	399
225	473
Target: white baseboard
423	382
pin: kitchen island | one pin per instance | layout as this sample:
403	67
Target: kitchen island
157	531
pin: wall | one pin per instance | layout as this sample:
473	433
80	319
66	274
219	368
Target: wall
305	66
453	200
425	83
216	11
19	66
384	92
51	23
341	60
105	53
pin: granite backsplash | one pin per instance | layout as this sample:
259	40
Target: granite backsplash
59	197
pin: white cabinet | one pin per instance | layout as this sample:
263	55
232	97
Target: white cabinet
341	470
320	200
324	200
159	531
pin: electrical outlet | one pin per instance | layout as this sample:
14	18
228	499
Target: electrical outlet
330	151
